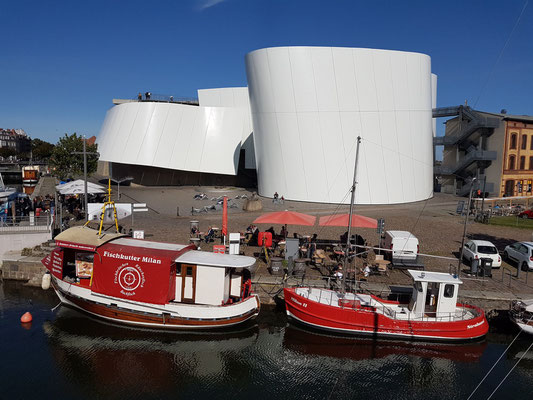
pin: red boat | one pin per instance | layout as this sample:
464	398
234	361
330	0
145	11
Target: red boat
150	284
432	313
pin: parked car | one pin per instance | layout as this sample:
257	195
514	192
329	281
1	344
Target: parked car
526	214
477	249
404	245
522	253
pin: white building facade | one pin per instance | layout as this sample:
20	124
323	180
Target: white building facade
298	122
309	105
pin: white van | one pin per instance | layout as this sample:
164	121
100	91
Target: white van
404	245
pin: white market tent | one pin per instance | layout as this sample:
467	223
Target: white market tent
78	187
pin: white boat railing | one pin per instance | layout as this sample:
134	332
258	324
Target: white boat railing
331	298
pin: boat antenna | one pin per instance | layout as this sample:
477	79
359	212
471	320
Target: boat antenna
107	203
347	250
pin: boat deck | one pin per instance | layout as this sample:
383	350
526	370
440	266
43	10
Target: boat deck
394	311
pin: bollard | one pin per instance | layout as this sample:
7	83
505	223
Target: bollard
178	211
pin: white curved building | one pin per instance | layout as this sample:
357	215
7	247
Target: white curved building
168	143
308	106
295	125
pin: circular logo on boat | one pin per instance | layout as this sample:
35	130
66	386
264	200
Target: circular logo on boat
129	278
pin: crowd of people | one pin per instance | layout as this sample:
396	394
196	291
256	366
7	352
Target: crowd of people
15	210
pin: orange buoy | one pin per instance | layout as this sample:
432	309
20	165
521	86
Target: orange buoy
26	317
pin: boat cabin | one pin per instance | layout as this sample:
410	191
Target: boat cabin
150	272
434	294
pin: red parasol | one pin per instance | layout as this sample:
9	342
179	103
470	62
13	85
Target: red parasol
286	218
225	217
358	221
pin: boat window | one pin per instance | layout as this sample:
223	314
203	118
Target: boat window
487	250
448	290
178	269
189	271
418	286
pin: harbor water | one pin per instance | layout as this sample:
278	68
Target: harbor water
64	354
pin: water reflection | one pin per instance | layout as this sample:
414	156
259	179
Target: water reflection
112	360
315	343
88	359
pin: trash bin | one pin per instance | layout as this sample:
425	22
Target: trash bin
486	267
276	266
299	266
474	266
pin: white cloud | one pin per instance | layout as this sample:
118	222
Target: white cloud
209	3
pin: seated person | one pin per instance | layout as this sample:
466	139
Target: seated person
283	232
254	238
337	271
209	235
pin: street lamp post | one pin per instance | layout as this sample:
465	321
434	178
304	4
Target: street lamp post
464	229
84	152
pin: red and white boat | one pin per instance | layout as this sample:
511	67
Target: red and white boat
150	284
431	314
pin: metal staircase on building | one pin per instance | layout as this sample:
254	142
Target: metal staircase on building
474	121
482	157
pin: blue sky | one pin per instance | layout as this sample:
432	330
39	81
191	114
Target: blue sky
62	62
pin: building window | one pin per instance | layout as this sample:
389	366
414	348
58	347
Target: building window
530	162
524	142
522	162
529	186
513	141
519	186
511	162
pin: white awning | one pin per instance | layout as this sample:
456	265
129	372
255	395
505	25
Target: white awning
215	259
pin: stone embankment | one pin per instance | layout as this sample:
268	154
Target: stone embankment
27	266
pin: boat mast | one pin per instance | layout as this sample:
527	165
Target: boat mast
347	250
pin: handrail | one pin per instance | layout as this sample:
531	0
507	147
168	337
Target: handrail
388	311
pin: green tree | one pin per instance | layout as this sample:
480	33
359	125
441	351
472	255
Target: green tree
66	163
41	150
7	152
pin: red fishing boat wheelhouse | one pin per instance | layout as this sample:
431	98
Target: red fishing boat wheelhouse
432	313
150	284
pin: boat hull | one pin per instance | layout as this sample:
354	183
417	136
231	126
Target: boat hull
365	322
155	316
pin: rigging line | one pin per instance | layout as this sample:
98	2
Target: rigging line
336	210
494	365
511	370
501	52
340	168
396	152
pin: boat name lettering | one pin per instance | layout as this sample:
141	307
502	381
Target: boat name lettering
130	257
299	303
475	325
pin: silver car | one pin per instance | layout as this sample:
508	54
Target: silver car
477	249
521	253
